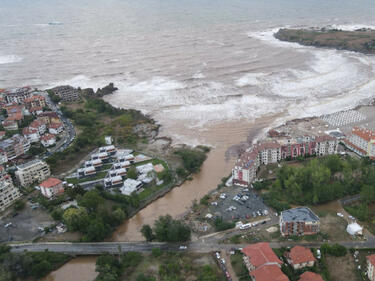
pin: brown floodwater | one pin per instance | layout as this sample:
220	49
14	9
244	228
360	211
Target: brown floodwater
223	138
218	165
78	269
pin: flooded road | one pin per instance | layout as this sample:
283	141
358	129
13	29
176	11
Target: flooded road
78	269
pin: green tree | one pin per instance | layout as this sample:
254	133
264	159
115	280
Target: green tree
19	205
76	219
41	269
169	230
90	200
147	232
368	193
132	173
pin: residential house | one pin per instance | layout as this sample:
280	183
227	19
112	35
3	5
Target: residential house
40	125
56	128
310	276
299	257
10	125
113	181
32	172
268	273
51	187
299	221
262	263
362	142
36	110
85	172
130	186
31	134
48	140
371	267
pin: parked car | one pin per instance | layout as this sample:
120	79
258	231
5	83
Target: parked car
340	215
183	247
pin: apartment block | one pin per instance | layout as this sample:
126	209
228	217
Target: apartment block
362	142
299	221
8	192
15	146
32	172
66	93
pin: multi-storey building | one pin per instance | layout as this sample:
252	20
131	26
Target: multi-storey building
31	134
361	141
265	153
32	172
17	95
371	267
39	125
49	117
66	93
245	169
15	146
299	221
269	152
35	101
8	192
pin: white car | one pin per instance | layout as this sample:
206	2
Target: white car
8	224
351	217
217	255
340	215
183	247
214	203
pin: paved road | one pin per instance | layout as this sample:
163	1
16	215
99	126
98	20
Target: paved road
197	246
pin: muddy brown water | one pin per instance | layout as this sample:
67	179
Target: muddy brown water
78	269
225	139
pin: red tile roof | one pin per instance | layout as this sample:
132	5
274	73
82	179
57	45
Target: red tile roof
36	108
15	116
371	259
31	99
363	133
55	125
2	133
260	254
299	254
269	273
47	137
37	123
347	142
51	182
310	276
29	131
324	138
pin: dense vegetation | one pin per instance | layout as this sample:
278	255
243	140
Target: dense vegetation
166	229
98	212
169	266
28	265
320	180
192	159
93	120
111	267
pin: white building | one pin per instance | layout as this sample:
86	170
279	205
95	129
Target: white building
48	140
31	134
130	186
31	172
8	192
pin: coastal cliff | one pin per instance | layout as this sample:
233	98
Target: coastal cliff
361	40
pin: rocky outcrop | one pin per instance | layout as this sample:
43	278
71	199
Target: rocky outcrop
361	40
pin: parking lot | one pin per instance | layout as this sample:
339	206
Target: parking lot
234	203
24	225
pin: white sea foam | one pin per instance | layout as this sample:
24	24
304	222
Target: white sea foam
10	59
249	79
198	75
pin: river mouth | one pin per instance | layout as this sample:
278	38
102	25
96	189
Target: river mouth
226	139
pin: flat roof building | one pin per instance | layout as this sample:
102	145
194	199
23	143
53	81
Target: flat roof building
299	221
